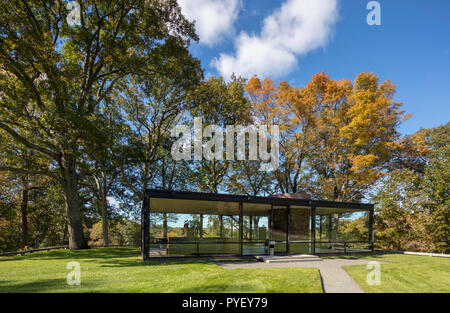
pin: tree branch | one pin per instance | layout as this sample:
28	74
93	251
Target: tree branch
30	172
26	143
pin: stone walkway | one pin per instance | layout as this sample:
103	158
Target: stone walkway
334	278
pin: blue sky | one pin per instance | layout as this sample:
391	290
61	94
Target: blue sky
293	39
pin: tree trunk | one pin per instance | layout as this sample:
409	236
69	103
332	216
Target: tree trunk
72	202
102	202
201	225
221	225
105	222
165	226
250	228
23	211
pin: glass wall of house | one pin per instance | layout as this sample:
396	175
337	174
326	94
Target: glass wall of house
185	227
341	230
181	227
300	238
255	228
279	228
176	235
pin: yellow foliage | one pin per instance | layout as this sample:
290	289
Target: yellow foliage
362	162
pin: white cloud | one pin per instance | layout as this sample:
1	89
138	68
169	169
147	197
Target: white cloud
213	18
296	28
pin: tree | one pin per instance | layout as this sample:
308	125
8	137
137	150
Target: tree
14	156
396	201
9	236
105	185
286	107
413	205
356	124
436	184
55	77
152	109
108	165
245	178
336	137
217	103
123	232
47	218
28	184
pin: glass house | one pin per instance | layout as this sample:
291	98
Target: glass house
175	223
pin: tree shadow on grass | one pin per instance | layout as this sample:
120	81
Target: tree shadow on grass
45	285
354	257
54	285
161	261
95	253
105	257
224	288
170	261
133	263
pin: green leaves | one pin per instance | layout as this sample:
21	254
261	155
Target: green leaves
414	205
58	78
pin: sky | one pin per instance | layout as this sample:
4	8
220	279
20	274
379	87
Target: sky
292	40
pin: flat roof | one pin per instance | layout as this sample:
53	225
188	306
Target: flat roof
186	202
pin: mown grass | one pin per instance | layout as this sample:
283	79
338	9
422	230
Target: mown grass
405	274
121	270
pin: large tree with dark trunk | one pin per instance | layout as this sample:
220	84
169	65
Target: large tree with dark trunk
56	74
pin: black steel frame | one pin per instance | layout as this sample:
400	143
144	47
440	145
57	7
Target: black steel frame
240	199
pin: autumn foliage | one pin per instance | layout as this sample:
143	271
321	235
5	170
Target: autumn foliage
338	136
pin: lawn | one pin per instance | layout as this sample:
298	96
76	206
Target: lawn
121	270
406	273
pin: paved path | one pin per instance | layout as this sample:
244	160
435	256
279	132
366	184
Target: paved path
334	278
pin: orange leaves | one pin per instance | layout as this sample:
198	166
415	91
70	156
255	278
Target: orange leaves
253	86
258	90
265	103
346	131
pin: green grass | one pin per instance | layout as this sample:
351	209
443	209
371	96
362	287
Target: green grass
405	273
121	270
